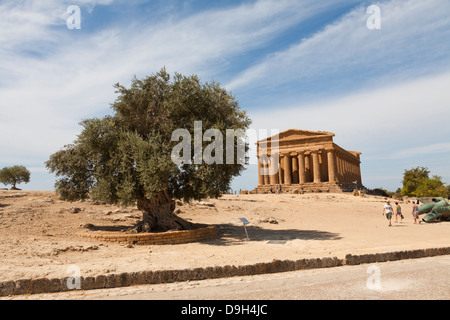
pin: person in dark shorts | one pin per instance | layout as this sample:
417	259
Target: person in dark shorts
398	212
388	210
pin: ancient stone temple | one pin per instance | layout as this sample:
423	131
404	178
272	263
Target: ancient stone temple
308	161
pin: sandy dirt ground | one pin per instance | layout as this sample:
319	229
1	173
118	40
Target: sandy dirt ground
38	233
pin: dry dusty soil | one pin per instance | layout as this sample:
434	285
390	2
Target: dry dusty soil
39	233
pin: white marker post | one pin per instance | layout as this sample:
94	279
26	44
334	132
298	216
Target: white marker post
245	222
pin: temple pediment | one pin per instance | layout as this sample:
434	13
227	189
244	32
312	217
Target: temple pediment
296	134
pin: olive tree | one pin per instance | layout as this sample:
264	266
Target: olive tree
127	158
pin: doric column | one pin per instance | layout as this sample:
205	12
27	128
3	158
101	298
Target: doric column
338	167
273	170
342	168
348	176
301	168
260	173
316	166
308	168
280	169
331	166
294	158
345	167
358	172
287	169
266	173
352	176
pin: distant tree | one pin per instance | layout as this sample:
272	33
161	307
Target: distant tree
126	158
417	183
413	178
432	187
381	192
14	175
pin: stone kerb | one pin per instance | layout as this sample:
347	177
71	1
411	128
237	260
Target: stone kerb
395	256
170	237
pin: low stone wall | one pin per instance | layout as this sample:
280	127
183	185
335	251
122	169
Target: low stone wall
394	256
170	237
36	286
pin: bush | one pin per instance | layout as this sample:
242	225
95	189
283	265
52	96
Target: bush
417	183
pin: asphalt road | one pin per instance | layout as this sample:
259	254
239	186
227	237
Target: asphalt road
418	279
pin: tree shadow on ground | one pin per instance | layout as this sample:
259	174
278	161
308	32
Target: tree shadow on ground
4	205
234	235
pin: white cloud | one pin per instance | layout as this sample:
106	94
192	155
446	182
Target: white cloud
431	149
29	24
414	31
67	77
380	122
395	127
44	96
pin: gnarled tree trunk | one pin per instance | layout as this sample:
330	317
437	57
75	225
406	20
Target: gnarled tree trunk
158	215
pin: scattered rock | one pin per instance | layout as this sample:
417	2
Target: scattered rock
46	201
75	210
206	204
57	251
271	220
89	226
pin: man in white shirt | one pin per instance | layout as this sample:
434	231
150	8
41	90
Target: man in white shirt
388	210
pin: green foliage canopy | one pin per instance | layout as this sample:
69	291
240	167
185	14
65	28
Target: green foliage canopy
417	183
127	156
14	175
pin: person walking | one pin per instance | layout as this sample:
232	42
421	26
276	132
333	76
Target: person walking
415	212
398	213
387	210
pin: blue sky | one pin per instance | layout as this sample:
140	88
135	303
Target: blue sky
310	65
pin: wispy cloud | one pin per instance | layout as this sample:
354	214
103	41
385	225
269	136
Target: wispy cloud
414	40
376	122
51	77
432	149
29	24
70	76
396	127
